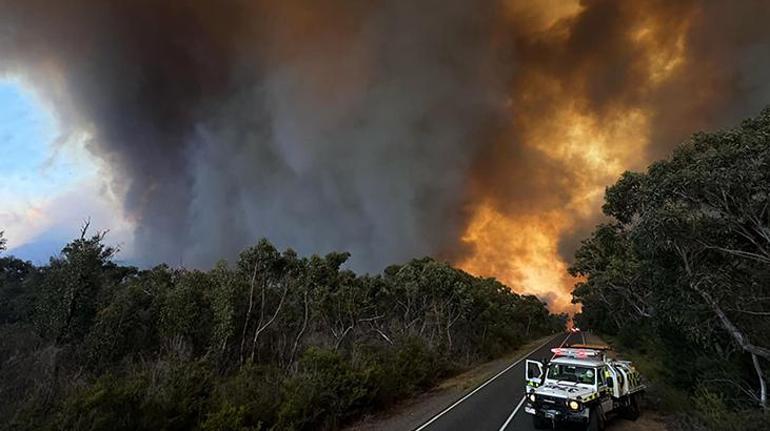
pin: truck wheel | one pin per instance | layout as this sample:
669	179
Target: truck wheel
595	419
539	423
632	411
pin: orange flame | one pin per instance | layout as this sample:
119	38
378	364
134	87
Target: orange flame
522	249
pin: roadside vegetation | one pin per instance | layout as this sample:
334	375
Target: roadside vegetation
271	341
679	277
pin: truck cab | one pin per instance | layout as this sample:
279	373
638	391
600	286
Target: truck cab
580	385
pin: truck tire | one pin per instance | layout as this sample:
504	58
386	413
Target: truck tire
539	423
633	411
595	419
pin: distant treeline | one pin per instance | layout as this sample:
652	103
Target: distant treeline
681	274
275	341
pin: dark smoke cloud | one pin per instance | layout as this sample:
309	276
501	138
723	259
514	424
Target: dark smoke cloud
726	77
331	125
373	127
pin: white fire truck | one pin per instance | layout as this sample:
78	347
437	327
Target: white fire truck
581	384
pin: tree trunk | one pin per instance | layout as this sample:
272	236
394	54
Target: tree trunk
762	384
733	330
383	335
261	327
342	337
529	323
248	312
301	332
449	337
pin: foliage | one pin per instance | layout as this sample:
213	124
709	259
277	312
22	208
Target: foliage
166	396
71	286
686	258
16	298
272	341
323	393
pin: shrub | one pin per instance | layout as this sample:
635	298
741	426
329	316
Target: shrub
713	412
165	396
325	392
248	400
229	418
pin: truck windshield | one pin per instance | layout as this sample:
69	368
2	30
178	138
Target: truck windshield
572	373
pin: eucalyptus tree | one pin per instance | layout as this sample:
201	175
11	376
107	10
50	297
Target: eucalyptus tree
72	286
690	243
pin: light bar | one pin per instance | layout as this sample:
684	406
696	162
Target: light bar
575	353
590	346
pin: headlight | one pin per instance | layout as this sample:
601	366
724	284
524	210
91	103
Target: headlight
574	405
532	397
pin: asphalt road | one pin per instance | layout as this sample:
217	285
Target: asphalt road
497	403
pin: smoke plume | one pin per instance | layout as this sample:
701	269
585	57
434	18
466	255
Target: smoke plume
481	132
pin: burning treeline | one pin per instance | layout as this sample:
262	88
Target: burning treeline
484	132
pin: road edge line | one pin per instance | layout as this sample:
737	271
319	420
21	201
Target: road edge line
434	418
510	418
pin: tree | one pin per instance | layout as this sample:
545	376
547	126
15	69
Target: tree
616	289
72	285
185	312
225	298
17	279
690	244
2	241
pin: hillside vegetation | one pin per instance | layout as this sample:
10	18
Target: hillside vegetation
681	275
273	341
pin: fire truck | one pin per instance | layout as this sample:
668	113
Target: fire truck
581	384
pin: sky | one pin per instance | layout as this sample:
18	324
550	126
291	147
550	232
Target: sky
49	182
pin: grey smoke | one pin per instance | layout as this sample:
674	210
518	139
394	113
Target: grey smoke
351	129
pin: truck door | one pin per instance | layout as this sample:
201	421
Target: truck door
534	373
604	385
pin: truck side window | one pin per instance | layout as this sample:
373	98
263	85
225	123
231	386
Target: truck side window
610	377
603	377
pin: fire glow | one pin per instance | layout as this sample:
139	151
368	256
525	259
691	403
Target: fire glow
595	146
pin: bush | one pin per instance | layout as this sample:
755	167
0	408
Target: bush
229	418
165	396
246	401
502	337
713	412
405	369
326	391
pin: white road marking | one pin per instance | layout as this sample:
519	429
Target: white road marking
434	418
516	410
510	418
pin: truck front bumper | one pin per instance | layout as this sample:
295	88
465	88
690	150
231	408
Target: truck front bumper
557	415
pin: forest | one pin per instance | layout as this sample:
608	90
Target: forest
271	341
680	274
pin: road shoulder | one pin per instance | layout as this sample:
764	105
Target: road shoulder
415	411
